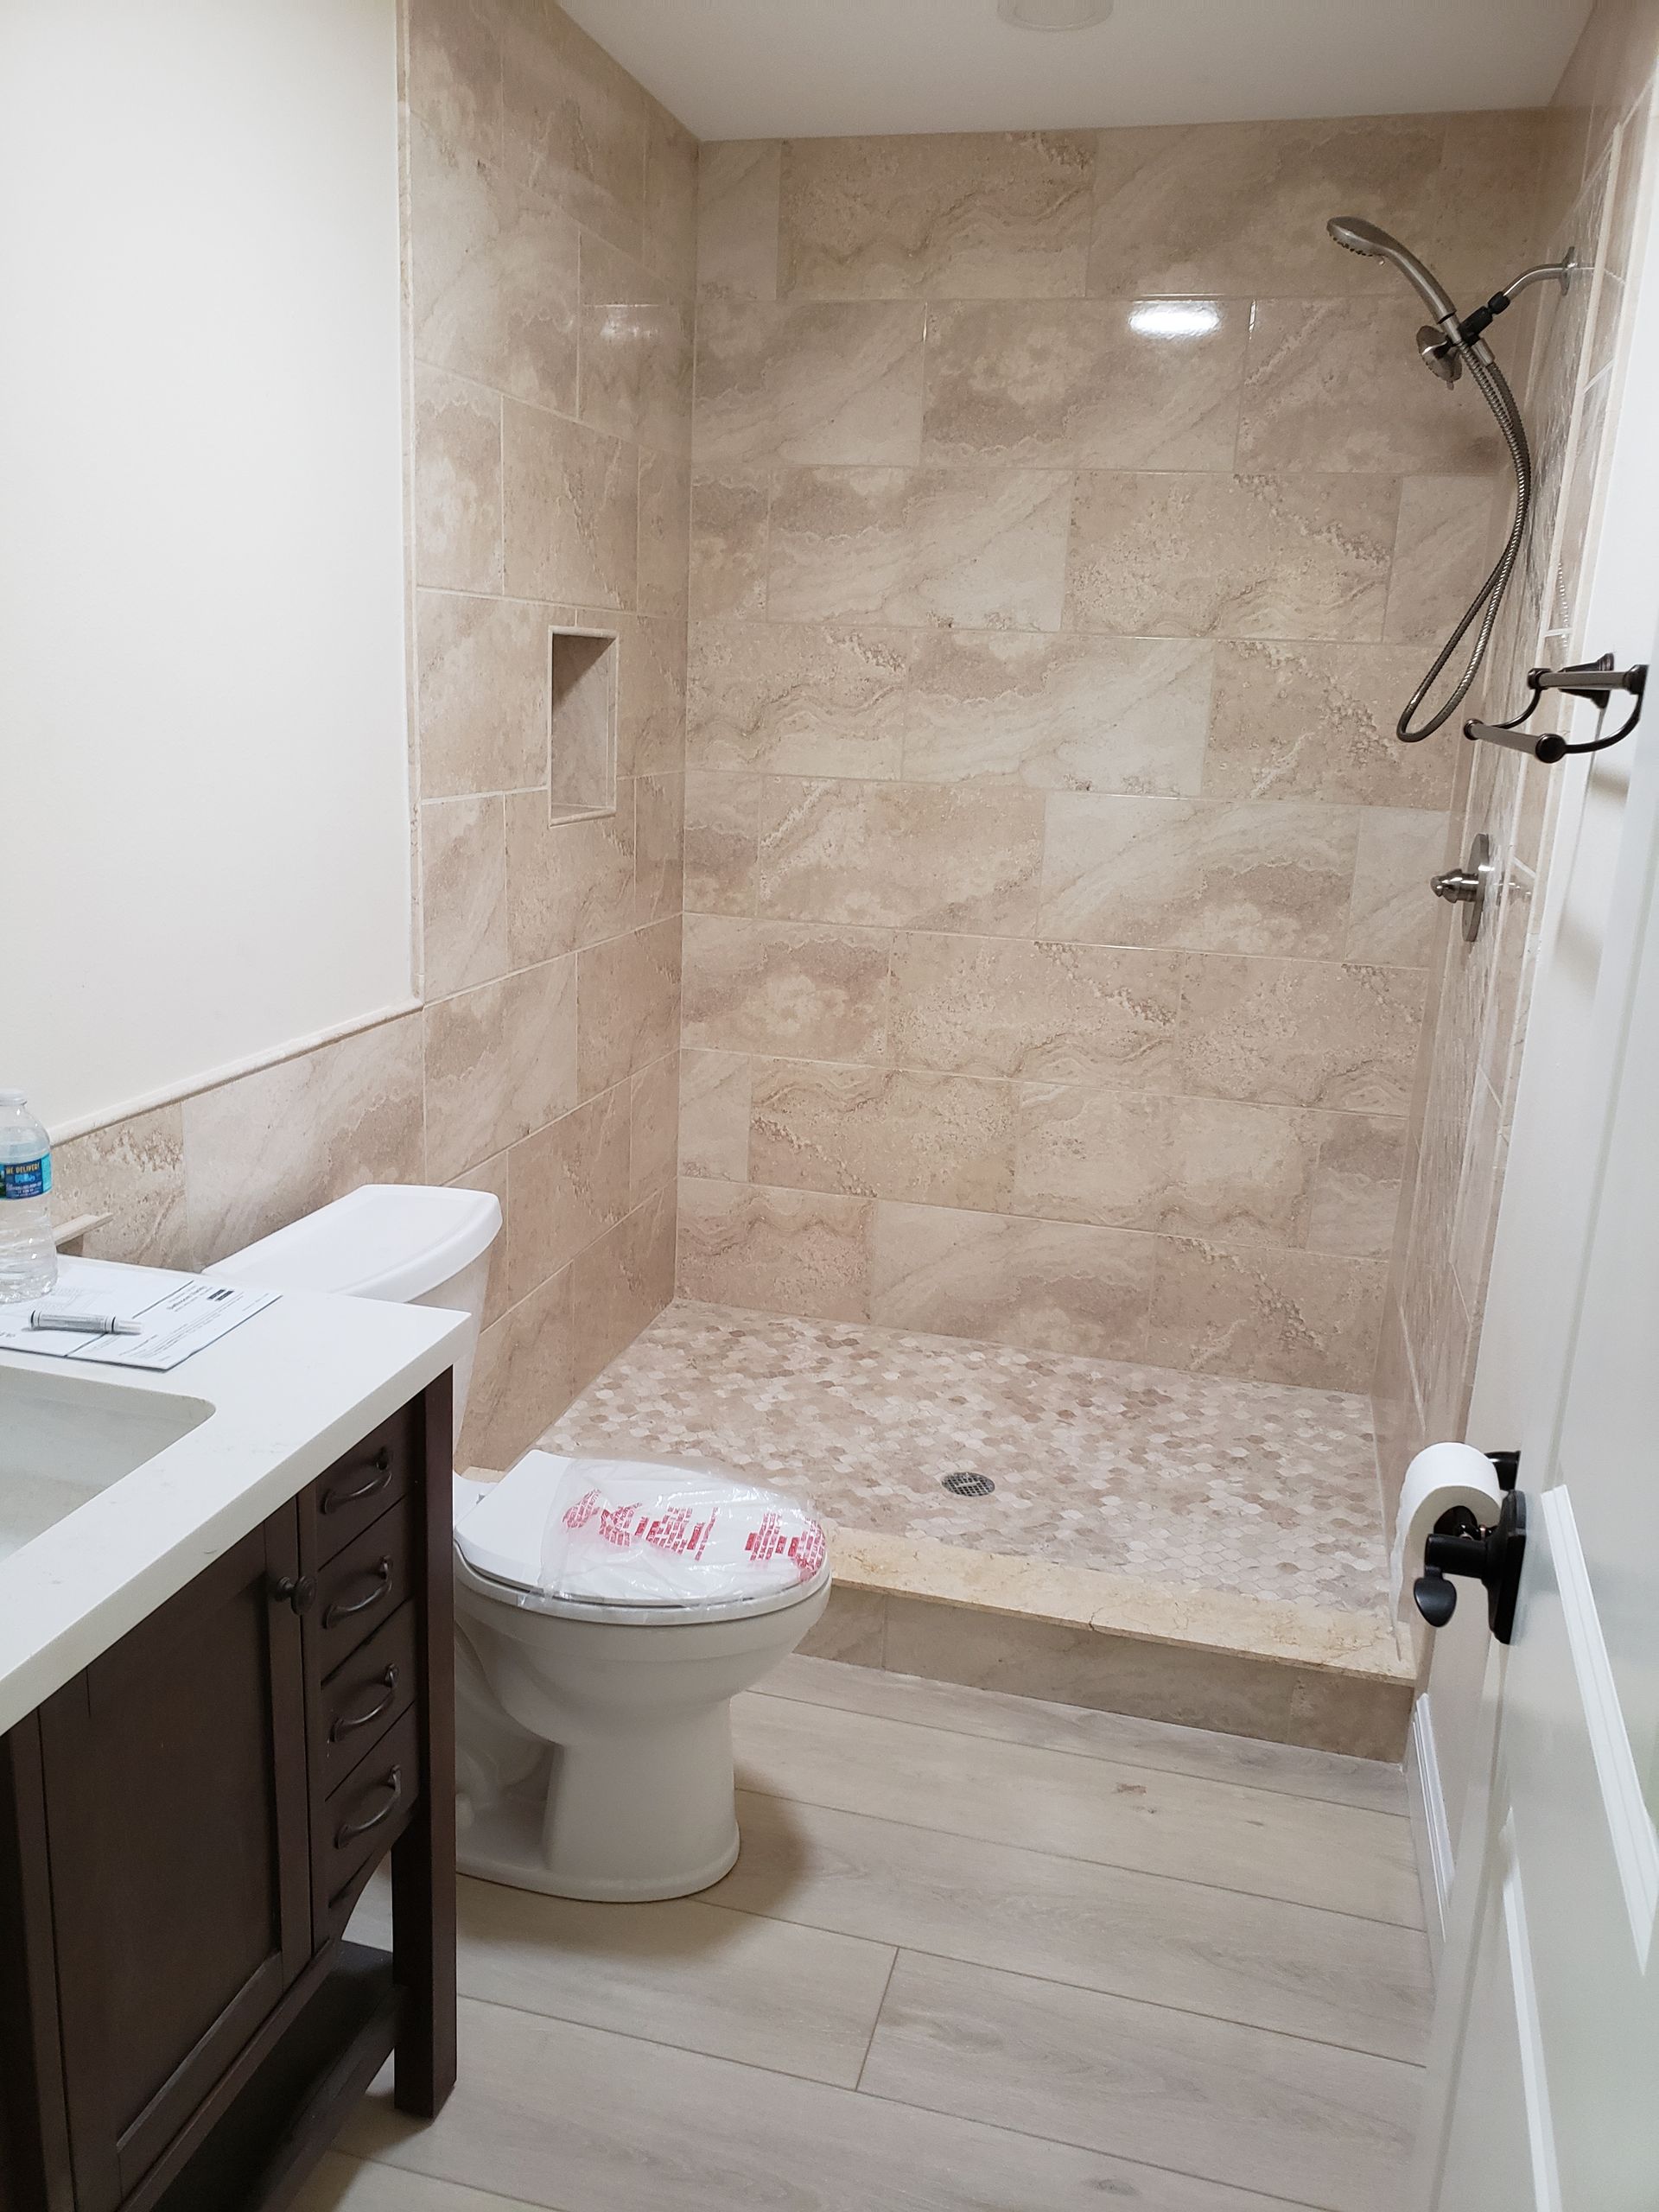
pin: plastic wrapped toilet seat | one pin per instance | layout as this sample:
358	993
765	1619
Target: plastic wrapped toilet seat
640	1541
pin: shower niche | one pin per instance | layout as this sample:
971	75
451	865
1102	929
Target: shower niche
582	691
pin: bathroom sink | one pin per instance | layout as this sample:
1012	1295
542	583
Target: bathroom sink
66	1437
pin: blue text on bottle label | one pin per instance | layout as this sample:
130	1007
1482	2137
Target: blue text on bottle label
26	1179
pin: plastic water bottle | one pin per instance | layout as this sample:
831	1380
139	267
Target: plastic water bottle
29	1257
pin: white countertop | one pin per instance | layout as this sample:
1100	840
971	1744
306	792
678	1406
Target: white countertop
290	1391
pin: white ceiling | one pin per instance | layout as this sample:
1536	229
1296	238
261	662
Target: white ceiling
817	68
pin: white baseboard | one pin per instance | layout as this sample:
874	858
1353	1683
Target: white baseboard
1431	1836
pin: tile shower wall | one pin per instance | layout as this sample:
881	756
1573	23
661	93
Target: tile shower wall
1597	146
551	240
1069	520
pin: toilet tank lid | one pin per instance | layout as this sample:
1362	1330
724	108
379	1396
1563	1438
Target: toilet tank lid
395	1241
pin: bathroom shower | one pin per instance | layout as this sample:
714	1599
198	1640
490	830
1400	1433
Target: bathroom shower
1448	344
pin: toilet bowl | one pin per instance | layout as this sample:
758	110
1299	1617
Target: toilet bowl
608	1612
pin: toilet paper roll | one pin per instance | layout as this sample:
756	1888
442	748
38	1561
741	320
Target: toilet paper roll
1441	1477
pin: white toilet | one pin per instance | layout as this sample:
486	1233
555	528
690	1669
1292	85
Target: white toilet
608	1612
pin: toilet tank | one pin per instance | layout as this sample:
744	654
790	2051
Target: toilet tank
410	1243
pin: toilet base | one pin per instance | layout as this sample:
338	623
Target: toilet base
503	1843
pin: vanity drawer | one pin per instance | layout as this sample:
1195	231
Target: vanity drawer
361	1589
364	1817
363	1697
365	1481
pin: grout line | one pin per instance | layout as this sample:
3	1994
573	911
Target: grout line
892	1967
487	2197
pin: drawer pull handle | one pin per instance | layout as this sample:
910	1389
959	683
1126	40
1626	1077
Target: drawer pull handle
333	1500
345	1723
348	1831
332	1615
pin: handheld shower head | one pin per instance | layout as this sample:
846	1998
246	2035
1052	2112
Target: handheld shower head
1358	235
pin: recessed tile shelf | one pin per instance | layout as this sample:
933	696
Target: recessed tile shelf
582	775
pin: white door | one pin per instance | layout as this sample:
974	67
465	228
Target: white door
1543	2079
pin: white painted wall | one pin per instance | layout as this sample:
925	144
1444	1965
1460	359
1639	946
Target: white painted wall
204	803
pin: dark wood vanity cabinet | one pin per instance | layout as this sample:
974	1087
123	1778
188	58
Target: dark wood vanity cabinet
184	1830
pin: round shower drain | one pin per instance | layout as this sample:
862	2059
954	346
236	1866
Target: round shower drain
965	1484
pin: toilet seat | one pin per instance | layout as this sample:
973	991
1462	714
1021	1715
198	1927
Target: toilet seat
638	1542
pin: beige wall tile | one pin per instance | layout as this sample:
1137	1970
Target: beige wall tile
500	1061
636	350
575	122
801	699
714	1116
1314	720
802	989
463	893
654	1155
1300	1032
524	1378
729	535
944	216
1059	713
1337	384
664	534
995	1006
1049	1286
651	702
851	1629
568	883
1241	208
1192	554
921	855
669	214
808	383
262	1150
889	1133
134	1171
629	1004
621	1284
457	491
1355	1192
804	1252
571	498
1436	557
977	546
1275	1314
1395	919
739	183
1191	1167
722	836
1075	384
1257	876
482	693
570	1184
658	848
454	82
1368	1720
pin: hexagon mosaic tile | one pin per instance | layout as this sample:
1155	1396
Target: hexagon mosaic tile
1251	1488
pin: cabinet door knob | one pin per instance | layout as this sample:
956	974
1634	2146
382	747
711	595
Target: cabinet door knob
297	1591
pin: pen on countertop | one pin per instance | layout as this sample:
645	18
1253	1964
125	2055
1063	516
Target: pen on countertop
84	1324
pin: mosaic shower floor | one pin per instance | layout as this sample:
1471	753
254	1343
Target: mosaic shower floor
1252	1489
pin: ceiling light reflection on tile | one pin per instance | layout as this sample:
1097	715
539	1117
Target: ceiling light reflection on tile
1175	319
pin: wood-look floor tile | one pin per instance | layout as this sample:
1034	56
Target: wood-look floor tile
1260	1765
576	2120
1317	2125
1260	1842
1362	1983
341	2184
765	1992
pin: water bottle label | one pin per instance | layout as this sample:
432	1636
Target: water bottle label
26	1179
